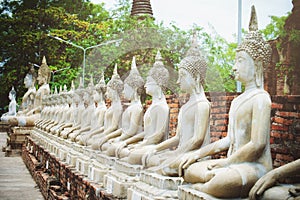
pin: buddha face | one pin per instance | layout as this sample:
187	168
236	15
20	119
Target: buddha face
41	78
244	69
110	93
10	96
96	96
28	81
185	80
151	86
128	91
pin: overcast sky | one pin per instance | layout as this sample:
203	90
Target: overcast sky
219	14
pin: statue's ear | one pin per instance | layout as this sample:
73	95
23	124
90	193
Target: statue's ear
259	72
198	84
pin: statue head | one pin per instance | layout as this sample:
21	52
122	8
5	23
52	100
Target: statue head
194	65
44	73
12	94
158	72
255	46
30	78
100	89
158	76
133	80
115	83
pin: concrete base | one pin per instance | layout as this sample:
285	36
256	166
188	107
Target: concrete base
155	186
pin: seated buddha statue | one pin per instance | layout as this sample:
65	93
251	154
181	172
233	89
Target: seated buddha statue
61	103
12	107
113	114
32	115
98	113
28	97
69	114
156	118
193	118
61	115
247	141
270	186
86	116
77	112
132	116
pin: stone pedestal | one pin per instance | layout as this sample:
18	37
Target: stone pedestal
154	186
186	192
15	140
121	177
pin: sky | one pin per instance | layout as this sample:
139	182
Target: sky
215	16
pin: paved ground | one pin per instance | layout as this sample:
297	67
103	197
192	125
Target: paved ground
16	182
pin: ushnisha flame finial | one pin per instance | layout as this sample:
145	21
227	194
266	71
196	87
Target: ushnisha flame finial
44	60
253	26
134	78
115	82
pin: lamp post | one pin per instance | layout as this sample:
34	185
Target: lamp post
84	50
238	83
55	71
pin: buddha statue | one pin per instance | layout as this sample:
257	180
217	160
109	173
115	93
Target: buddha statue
248	137
12	107
113	114
58	111
193	118
64	107
270	187
28	97
77	112
53	113
69	113
156	118
132	116
32	115
49	103
86	116
98	114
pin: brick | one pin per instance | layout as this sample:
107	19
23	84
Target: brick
221	128
216	134
278	127
287	114
219	116
283	121
221	122
277	106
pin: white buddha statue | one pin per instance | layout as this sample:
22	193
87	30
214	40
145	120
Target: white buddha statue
32	115
59	111
248	137
28	97
98	114
87	114
53	113
270	186
61	115
77	112
193	118
69	114
156	118
113	114
12	107
132	117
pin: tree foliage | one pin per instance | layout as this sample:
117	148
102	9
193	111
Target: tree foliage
24	38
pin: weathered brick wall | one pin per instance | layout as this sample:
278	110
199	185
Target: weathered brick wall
285	129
